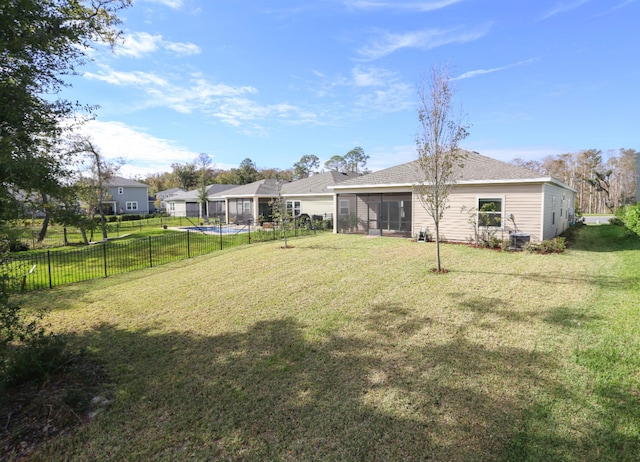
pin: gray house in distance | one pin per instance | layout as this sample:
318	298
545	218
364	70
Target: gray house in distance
126	196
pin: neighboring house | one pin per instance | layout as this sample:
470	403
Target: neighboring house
249	203
312	196
162	198
520	200
185	203
126	196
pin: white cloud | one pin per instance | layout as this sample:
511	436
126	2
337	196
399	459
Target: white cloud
563	8
186	94
373	90
140	44
182	49
427	39
474	73
143	153
412	6
175	4
135	78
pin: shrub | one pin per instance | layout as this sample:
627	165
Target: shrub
630	216
556	245
27	352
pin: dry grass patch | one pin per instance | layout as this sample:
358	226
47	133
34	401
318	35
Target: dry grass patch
342	348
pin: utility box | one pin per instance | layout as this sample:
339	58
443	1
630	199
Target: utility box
517	241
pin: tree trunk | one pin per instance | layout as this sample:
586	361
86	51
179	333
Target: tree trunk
45	223
43	229
438	267
83	231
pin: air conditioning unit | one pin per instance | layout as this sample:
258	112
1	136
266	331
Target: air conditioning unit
517	241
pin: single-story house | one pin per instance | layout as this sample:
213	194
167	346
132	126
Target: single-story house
126	196
251	203
489	195
186	204
312	196
162	196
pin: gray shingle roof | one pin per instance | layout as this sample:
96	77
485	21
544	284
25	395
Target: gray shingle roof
316	184
264	188
213	190
125	182
476	168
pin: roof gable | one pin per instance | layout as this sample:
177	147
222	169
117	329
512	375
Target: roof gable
265	188
124	182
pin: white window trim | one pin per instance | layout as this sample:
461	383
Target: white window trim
295	207
348	208
131	205
502	212
120	190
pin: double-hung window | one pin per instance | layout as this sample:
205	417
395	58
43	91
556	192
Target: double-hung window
490	212
132	205
344	207
293	208
120	190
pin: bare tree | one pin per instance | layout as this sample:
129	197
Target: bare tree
439	158
101	171
280	212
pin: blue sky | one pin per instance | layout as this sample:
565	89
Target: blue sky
273	80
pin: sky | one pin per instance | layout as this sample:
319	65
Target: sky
273	80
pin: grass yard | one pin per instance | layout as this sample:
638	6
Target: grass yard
346	348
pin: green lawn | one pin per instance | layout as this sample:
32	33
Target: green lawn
349	348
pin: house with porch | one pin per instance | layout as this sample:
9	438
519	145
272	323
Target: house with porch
488	196
125	196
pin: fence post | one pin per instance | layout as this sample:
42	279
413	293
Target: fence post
220	232
104	258
49	268
150	254
249	233
188	245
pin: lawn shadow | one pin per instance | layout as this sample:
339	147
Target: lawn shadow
271	393
604	238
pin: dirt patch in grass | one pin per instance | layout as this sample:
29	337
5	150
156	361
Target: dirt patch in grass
32	414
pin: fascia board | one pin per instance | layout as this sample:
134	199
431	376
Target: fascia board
469	182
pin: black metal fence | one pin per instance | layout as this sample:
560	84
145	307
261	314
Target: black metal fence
50	268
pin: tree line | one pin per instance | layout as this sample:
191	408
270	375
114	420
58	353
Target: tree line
604	181
192	175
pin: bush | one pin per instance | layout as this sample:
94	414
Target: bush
556	245
27	352
630	217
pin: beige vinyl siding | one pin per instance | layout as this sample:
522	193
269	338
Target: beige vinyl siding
318	205
180	209
522	200
557	202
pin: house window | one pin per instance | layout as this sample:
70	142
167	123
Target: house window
344	207
293	208
172	206
132	205
246	207
490	213
120	190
